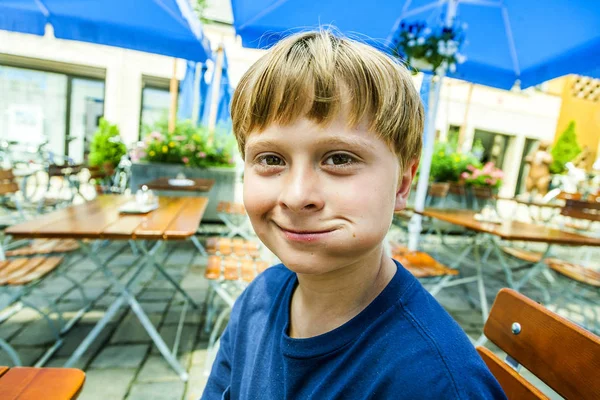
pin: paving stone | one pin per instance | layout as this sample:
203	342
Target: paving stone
9	328
199	353
157	391
130	330
121	356
35	333
192	315
78	333
107	384
154	307
28	356
91	293
196	383
156	295
186	343
156	369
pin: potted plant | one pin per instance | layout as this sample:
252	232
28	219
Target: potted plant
484	182
430	49
106	150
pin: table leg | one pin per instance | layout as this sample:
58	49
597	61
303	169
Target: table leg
538	267
149	255
112	310
198	245
481	286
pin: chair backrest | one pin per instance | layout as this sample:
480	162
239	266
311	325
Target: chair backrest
7	182
581	210
563	355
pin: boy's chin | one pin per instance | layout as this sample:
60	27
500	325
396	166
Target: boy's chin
313	263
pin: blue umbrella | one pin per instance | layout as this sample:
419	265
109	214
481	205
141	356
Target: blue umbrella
508	40
167	27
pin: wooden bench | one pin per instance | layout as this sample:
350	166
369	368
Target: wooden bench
232	246
45	246
22	271
231	208
25	383
563	355
420	264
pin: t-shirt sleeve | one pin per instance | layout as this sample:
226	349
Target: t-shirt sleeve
219	381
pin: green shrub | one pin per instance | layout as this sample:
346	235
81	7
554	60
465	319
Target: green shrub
564	150
106	145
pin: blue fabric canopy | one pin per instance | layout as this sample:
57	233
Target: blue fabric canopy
507	40
167	27
225	93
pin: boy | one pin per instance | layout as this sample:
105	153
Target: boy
330	131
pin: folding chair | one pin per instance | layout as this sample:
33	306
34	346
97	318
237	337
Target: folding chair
9	197
228	277
37	383
235	218
561	354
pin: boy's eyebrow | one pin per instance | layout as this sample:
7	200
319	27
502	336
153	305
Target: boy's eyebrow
331	141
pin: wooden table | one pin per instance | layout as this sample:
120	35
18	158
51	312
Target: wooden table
490	233
200	185
100	219
40	383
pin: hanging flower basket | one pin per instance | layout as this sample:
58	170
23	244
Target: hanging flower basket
424	48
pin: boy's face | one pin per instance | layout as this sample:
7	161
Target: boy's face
322	198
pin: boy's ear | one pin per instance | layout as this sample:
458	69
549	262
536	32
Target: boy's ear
405	184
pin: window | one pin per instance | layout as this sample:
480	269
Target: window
39	106
156	100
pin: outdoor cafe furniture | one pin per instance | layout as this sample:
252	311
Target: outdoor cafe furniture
561	354
174	219
235	219
24	383
165	185
487	238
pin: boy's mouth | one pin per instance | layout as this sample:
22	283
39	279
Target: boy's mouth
304	235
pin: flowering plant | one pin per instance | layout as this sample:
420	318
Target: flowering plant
188	145
438	47
486	176
447	164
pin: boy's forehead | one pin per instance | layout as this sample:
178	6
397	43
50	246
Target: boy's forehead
336	132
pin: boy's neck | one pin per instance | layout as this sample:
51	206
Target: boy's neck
322	303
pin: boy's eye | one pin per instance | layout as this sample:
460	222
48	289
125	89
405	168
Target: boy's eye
270	160
339	159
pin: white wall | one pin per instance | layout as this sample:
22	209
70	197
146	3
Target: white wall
519	114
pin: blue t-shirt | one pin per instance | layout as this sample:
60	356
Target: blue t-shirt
404	345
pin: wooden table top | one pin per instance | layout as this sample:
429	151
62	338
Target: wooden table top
175	218
511	230
40	383
200	185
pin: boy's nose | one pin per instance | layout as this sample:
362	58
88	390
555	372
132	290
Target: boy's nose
302	191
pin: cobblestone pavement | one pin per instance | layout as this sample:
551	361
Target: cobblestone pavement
123	363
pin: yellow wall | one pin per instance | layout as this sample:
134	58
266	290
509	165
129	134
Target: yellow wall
586	115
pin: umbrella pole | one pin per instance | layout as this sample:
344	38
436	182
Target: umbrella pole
216	90
173	90
423	183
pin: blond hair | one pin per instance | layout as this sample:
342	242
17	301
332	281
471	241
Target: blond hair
314	75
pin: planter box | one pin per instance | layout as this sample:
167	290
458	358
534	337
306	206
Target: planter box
226	187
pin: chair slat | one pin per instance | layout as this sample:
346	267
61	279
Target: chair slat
22	269
41	383
514	385
563	355
42	269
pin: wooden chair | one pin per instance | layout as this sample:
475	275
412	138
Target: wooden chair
235	218
9	189
561	354
40	383
227	278
424	267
